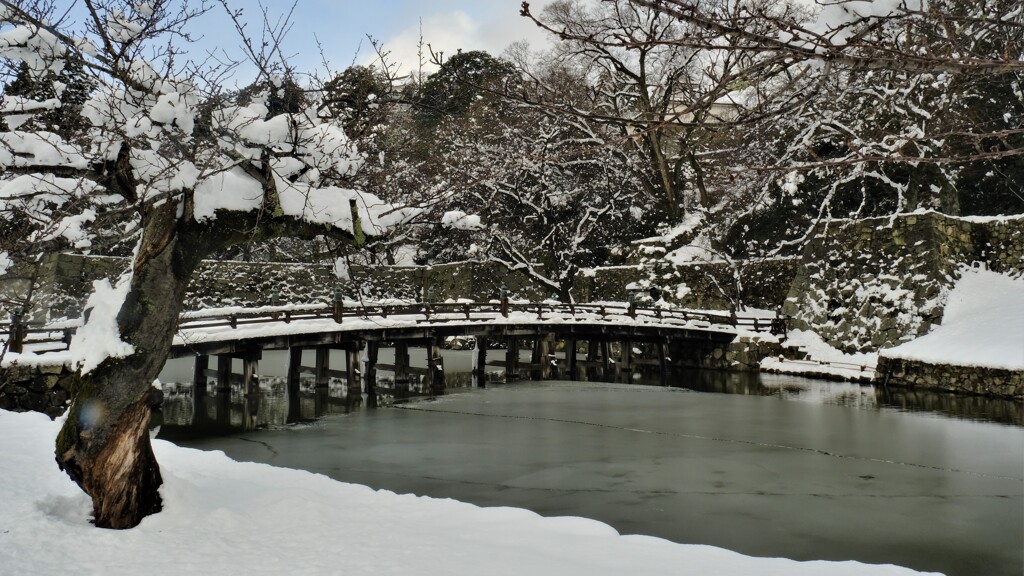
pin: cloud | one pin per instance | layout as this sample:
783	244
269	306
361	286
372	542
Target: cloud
447	32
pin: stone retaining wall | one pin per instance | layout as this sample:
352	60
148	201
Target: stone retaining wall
744	354
962	379
36	389
65	282
871	284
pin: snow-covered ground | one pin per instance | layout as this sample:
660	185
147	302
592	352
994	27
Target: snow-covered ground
824	360
227	517
983	325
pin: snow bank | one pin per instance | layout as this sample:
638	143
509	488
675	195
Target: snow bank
983	325
226	517
822	359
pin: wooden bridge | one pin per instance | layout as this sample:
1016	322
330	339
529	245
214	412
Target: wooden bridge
606	339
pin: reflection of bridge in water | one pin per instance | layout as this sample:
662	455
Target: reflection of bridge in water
194	412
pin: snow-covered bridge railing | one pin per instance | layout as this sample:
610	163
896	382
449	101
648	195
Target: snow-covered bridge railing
57	336
575	341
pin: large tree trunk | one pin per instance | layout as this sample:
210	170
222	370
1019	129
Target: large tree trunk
104	444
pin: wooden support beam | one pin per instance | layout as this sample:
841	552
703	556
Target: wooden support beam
249	380
592	362
323	366
538	358
480	363
512	359
435	363
354	389
223	371
624	369
370	373
548	361
571	370
199	372
606	358
663	361
294	369
401	369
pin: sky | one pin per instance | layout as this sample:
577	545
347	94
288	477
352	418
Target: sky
341	27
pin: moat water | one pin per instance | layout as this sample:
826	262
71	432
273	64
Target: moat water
764	465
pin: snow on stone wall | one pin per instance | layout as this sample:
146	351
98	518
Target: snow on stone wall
879	282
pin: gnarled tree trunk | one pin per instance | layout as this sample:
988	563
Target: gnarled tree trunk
104	444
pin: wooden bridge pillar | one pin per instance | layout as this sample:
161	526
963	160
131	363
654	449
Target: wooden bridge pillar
294	369
199	369
401	369
250	411
354	385
480	363
223	372
571	370
250	362
323	366
546	358
592	349
435	367
624	368
663	361
512	359
606	359
537	358
370	377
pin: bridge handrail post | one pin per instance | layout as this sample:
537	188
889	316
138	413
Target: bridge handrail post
503	294
17	338
338	305
233	321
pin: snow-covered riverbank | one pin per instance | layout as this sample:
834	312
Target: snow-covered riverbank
226	517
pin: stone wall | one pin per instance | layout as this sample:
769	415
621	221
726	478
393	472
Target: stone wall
871	284
962	379
713	285
744	354
65	282
36	389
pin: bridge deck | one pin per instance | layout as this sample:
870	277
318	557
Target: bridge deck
226	331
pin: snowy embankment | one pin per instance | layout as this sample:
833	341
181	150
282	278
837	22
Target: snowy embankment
822	360
226	517
983	325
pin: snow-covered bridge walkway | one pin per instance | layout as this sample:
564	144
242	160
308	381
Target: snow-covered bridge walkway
618	337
